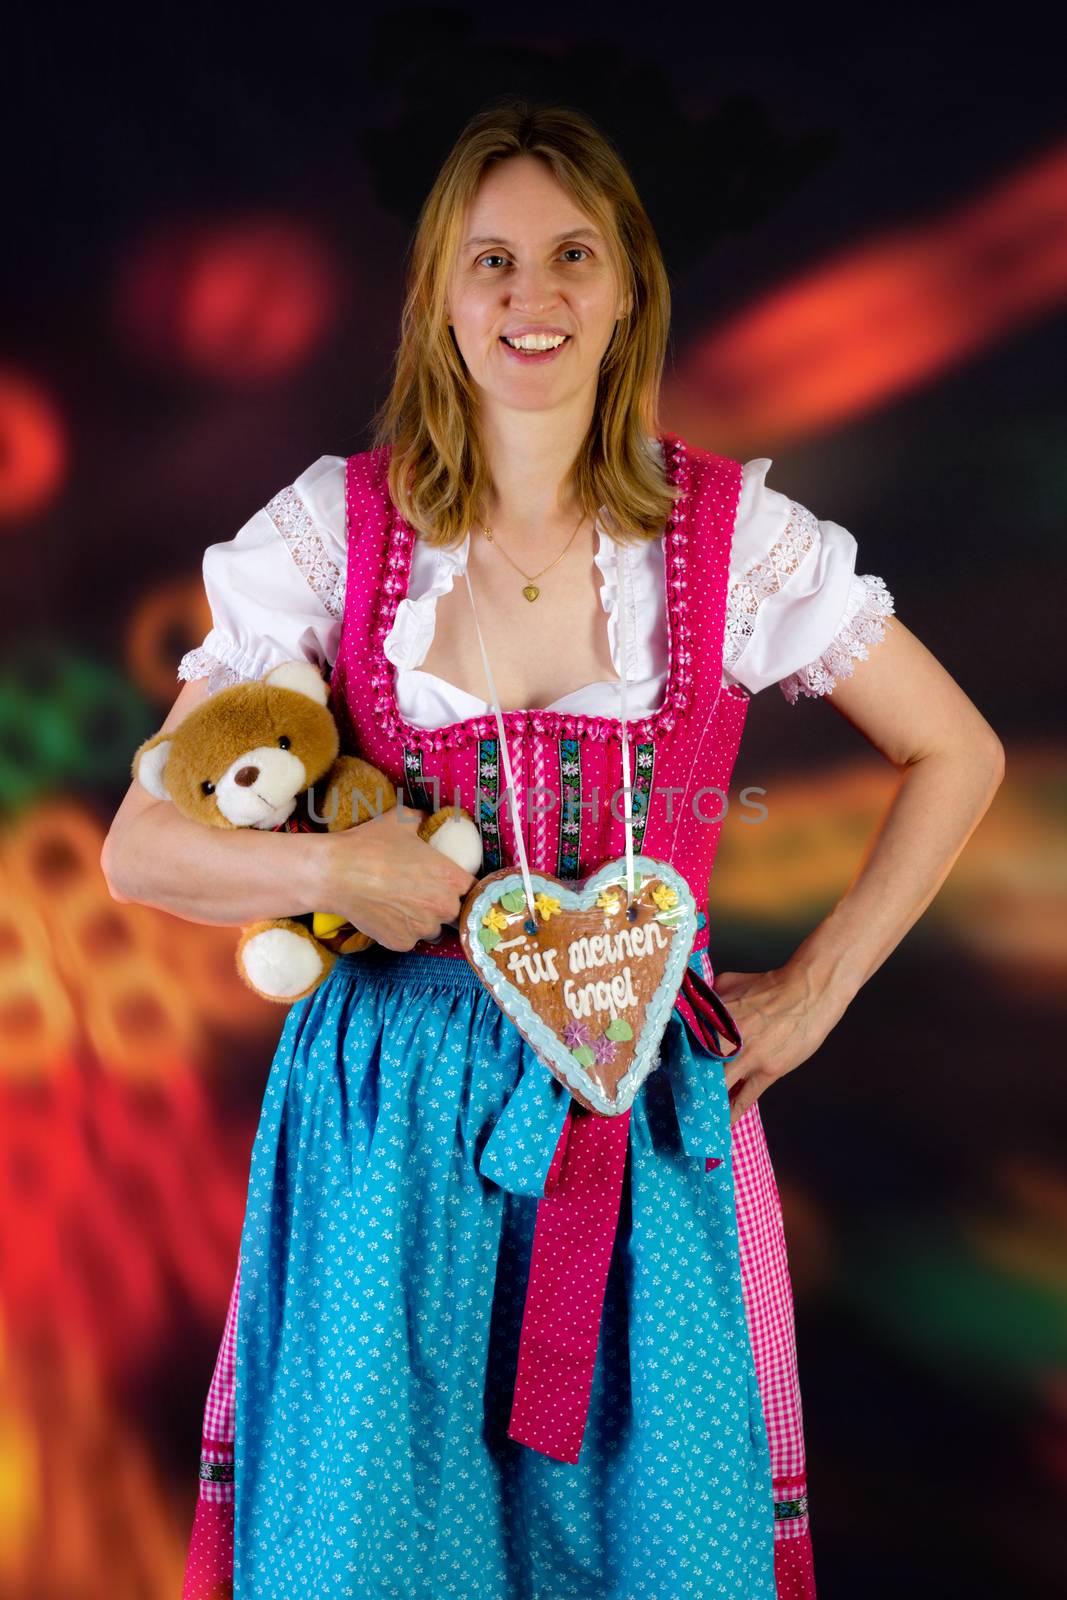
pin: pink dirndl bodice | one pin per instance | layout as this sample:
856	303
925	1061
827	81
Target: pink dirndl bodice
567	769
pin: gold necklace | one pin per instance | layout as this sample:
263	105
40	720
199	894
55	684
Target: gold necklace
531	591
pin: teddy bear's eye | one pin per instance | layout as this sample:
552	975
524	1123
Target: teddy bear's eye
284	742
207	787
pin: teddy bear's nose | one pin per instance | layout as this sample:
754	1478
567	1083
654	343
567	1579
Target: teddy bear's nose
246	777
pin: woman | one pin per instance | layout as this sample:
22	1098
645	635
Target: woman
410	1143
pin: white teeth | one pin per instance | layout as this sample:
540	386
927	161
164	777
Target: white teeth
536	341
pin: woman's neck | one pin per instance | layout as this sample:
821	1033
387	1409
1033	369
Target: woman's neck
530	456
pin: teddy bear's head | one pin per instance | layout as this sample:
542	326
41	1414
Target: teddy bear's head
242	757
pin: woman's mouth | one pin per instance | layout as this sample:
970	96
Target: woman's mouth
535	347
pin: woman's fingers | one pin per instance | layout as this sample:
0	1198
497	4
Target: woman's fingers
736	1071
748	1092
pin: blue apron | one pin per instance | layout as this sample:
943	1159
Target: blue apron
406	1132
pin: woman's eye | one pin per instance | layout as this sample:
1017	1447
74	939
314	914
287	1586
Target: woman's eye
572	250
284	742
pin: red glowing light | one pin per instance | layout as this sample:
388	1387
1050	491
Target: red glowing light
33	447
887	316
240	301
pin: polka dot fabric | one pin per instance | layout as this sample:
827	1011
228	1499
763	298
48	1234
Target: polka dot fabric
422	1446
382	1289
769	1313
209	1565
577	1222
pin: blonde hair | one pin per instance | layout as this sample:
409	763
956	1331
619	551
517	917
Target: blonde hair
438	474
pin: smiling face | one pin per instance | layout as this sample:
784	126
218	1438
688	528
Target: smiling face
533	269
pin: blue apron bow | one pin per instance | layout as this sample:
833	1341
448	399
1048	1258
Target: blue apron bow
520	1150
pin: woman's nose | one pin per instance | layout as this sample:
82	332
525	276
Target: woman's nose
533	290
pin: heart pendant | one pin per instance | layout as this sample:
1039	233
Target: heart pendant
531	591
590	982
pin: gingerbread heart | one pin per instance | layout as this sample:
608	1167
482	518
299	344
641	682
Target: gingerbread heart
590	981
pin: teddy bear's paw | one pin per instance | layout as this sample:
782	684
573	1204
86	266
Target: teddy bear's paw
282	961
455	833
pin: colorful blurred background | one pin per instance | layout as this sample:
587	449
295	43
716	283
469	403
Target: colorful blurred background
865	222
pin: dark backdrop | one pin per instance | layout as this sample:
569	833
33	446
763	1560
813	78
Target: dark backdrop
865	223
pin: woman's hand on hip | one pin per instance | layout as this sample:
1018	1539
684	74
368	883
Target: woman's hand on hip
782	1020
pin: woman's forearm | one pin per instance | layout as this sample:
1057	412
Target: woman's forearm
941	799
220	876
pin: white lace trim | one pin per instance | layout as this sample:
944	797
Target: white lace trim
866	627
297	527
200	663
765	577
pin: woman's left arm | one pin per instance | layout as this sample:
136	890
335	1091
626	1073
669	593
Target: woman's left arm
951	764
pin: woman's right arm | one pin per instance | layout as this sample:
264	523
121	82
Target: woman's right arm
274	598
387	881
154	856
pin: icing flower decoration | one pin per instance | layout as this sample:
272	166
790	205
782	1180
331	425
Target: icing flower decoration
575	1034
664	896
608	901
496	919
603	1050
546	905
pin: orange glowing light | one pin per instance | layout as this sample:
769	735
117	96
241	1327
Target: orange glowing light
19	1468
37	1020
78	969
813	1254
242	301
171	610
887	316
1004	900
794	862
100	1522
33	448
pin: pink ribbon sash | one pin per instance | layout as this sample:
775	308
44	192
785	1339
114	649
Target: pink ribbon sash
574	1235
573	1239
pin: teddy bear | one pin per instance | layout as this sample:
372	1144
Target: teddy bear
266	754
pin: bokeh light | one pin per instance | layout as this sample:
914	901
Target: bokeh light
867	245
241	301
889	315
33	448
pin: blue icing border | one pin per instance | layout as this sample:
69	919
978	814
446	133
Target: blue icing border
539	1035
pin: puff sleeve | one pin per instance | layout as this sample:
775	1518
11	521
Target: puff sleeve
276	589
797	613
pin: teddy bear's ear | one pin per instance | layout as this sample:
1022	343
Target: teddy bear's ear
302	678
149	765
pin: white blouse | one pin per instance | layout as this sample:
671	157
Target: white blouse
797	612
